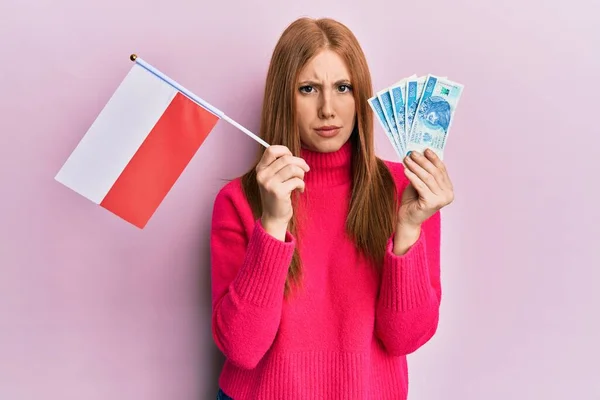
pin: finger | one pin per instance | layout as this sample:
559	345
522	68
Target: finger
439	164
271	154
286	160
428	166
289	171
293	184
267	173
422	173
420	186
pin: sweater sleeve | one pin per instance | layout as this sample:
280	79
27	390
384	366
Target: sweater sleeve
248	278
407	311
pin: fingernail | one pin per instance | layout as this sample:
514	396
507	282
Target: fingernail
408	154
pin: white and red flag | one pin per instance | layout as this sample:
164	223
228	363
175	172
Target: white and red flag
139	144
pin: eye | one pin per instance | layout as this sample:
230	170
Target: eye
306	89
345	88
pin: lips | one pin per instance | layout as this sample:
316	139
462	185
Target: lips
327	128
328	131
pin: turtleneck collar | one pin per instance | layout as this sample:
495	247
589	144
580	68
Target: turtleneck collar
328	169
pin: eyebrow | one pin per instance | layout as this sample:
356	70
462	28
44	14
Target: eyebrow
314	83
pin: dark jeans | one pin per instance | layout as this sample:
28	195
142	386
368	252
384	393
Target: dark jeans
222	396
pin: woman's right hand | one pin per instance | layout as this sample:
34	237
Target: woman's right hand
278	173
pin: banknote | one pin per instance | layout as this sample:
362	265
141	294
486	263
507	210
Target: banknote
434	115
399	106
414	89
398	95
388	112
377	108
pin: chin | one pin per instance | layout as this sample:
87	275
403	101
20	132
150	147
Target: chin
326	145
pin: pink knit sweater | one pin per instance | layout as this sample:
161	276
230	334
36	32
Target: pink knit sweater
346	333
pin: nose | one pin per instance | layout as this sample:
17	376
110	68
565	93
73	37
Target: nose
326	106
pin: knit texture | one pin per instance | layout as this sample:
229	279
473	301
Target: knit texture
345	333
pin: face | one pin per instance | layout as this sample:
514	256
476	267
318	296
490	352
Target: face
325	107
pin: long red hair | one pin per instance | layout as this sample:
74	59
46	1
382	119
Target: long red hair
373	205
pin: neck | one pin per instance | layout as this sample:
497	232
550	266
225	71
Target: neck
328	169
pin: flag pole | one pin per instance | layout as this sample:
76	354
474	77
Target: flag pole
197	99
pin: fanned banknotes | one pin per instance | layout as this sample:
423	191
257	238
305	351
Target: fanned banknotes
380	116
416	113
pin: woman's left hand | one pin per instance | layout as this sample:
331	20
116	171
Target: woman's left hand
429	190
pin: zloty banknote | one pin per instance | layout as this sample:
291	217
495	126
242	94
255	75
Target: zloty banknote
378	110
388	112
434	115
398	95
414	90
385	112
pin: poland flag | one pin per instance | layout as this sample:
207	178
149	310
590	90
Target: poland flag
137	147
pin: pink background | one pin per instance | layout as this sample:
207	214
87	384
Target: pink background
93	308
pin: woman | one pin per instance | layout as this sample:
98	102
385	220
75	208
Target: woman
325	259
